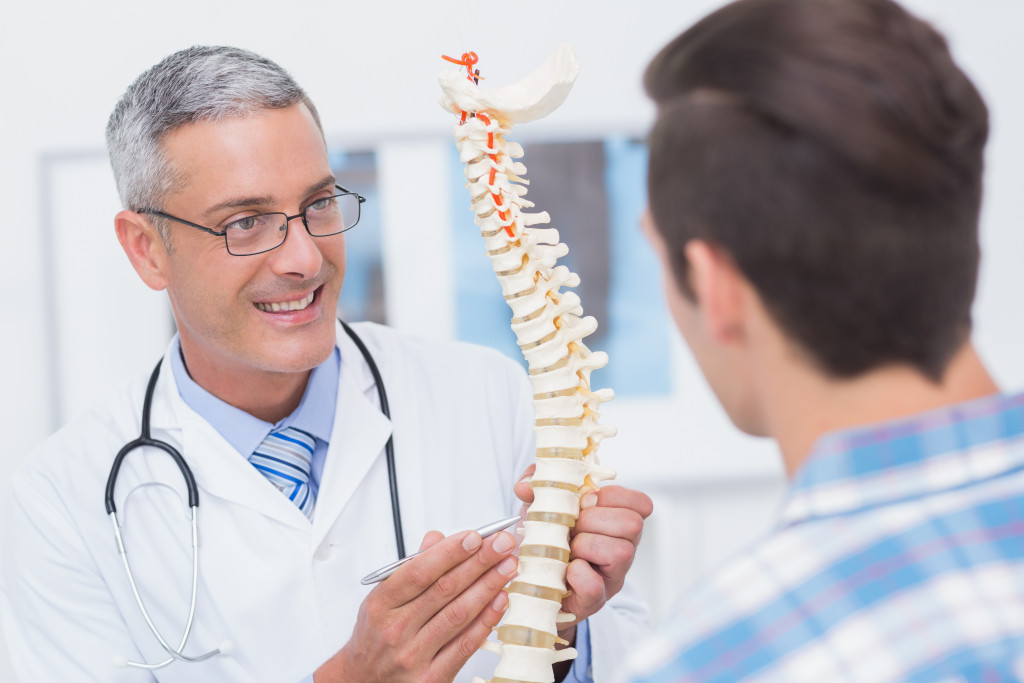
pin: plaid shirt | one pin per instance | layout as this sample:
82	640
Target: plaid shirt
899	555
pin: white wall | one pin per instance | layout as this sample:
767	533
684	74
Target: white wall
371	67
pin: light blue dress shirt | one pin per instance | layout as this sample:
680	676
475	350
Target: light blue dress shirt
314	415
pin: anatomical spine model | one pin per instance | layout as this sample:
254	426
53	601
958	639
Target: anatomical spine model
550	331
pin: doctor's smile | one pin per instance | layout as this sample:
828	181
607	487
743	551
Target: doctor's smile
286	306
295	310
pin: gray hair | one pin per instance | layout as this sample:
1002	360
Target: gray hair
200	83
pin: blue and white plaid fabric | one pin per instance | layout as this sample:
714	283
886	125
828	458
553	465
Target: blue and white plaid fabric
899	556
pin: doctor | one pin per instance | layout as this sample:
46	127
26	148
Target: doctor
202	145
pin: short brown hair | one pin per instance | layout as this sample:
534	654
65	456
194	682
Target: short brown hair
834	150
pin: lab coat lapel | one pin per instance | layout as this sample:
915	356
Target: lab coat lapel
357	439
222	471
219	469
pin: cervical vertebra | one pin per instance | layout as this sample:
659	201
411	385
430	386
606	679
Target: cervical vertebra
549	328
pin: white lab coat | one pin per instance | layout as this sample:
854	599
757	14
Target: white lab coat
283	591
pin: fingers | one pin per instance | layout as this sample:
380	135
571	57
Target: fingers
522	487
606	496
444	596
606	534
610	556
603	542
614	512
453	656
454	615
523	509
597	572
458	595
588	590
603	546
621	497
615	522
524	491
416	576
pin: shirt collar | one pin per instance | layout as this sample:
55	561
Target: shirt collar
315	413
903	459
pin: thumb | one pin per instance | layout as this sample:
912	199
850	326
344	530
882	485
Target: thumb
522	487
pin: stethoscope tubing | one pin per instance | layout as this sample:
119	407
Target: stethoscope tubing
389	447
145	439
175	653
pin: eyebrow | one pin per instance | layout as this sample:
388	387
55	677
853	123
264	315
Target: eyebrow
328	181
243	202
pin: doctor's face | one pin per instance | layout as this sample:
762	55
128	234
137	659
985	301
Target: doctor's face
271	161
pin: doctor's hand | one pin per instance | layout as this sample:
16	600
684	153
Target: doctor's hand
602	545
424	621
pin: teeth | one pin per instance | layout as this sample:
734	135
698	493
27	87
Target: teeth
287	305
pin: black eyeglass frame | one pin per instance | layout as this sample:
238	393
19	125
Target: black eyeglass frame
287	222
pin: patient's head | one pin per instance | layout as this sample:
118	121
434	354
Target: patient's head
832	151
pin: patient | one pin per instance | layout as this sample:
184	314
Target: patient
814	191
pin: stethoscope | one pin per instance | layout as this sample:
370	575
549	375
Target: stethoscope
144	439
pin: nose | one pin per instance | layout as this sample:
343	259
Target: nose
299	254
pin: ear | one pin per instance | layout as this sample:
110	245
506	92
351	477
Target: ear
144	247
719	288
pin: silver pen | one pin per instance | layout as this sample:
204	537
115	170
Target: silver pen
484	531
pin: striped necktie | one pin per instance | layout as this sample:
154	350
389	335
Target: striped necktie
286	458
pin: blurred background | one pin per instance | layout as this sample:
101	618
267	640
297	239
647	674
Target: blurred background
79	323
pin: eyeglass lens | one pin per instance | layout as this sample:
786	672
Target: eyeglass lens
265	231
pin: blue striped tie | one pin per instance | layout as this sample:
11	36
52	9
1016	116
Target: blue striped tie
286	458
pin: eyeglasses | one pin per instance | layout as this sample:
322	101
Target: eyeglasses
265	231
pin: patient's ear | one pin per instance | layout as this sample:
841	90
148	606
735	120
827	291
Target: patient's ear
720	289
144	247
